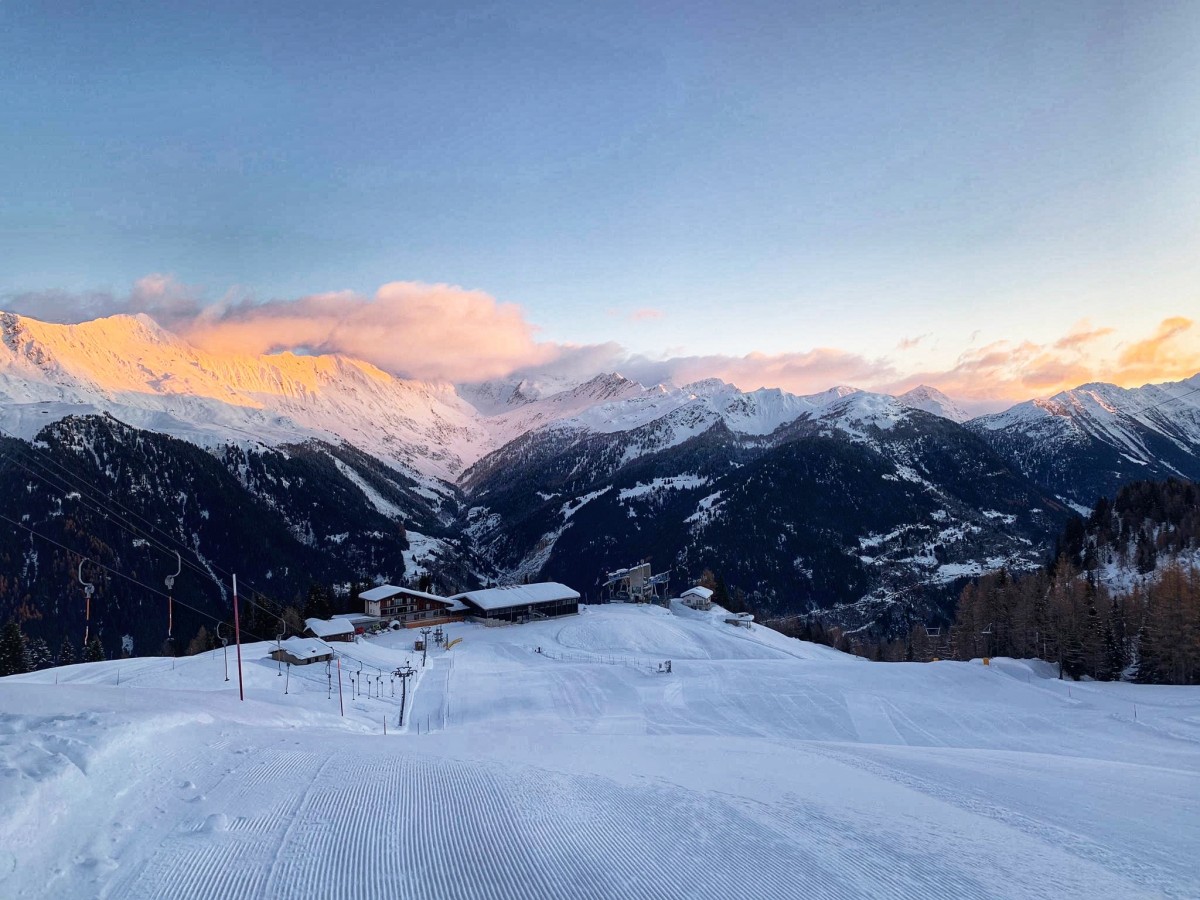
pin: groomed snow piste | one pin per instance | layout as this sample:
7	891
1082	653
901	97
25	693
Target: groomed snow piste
758	767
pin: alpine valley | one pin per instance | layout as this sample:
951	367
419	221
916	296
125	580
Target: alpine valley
123	443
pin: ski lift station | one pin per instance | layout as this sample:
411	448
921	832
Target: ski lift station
635	584
508	603
521	602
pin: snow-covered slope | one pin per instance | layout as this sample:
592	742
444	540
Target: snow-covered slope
933	401
759	767
149	378
1084	443
128	366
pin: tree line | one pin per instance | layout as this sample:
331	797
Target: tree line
1121	599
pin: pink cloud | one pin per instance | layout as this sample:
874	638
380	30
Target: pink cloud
1006	371
427	331
444	332
646	314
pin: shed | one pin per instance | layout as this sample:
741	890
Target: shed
330	629
518	602
302	651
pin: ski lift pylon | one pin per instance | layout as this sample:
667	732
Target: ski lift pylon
88	590
170	583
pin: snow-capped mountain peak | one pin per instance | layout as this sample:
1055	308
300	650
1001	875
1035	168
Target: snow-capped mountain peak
931	400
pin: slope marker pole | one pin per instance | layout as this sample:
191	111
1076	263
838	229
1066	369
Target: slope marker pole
341	705
237	637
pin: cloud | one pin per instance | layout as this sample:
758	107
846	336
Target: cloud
1004	372
61	306
162	297
910	343
805	372
445	332
427	331
1164	354
1080	335
646	314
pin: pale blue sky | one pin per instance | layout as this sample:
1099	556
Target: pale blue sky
770	176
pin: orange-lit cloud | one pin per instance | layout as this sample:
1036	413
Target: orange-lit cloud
443	332
1007	372
1168	353
1080	336
428	331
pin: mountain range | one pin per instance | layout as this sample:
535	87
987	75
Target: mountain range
870	507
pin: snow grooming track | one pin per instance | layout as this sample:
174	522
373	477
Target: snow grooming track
425	827
760	767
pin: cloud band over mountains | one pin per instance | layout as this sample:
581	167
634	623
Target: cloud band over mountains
444	332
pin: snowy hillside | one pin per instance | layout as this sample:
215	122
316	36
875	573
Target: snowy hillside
759	767
147	377
1084	443
128	366
934	401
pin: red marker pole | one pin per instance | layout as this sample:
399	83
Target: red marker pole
340	705
237	637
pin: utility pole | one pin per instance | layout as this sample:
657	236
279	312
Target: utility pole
425	644
403	673
237	637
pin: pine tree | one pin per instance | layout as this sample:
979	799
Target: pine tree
721	594
319	603
12	650
66	653
39	654
1147	664
94	652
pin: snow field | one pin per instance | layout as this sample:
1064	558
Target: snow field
761	767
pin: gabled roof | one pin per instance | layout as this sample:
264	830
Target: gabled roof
329	627
388	591
511	595
702	592
306	648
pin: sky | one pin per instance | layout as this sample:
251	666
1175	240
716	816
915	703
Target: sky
1001	200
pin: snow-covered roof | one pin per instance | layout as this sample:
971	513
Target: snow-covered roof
329	627
702	592
518	595
306	648
387	591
